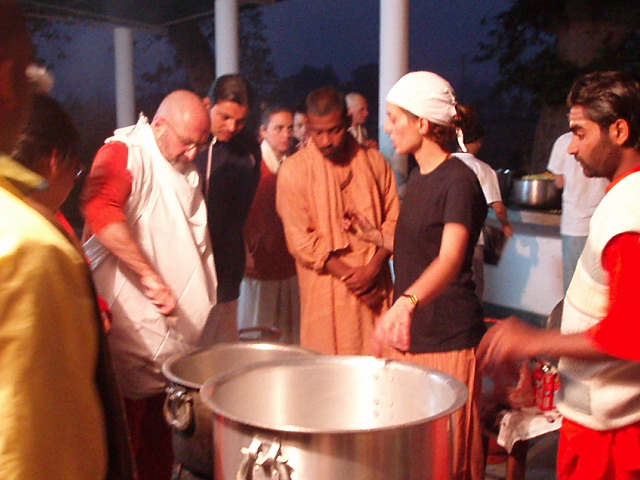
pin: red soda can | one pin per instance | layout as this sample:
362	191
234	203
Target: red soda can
547	383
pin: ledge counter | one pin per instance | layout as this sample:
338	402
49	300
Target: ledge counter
528	278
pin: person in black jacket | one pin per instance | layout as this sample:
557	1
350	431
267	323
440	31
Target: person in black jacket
231	171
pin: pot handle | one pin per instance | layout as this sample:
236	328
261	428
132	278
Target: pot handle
283	470
178	408
272	460
249	460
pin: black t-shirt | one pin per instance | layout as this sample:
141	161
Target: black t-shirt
235	173
449	194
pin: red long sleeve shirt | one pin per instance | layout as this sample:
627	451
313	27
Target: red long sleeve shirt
107	188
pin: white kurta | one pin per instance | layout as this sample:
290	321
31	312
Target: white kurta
167	215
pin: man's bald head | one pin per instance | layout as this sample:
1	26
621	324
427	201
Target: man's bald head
183	106
357	107
352	98
181	126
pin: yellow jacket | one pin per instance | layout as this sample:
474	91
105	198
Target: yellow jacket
51	420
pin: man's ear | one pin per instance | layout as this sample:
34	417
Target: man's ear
53	166
619	131
206	101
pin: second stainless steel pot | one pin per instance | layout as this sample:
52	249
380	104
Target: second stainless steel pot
539	193
189	419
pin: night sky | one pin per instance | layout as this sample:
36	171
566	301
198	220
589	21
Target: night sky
344	34
444	36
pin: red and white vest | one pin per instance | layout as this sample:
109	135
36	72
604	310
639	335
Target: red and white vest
600	395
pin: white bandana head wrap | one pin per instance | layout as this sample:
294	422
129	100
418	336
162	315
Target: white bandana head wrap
426	95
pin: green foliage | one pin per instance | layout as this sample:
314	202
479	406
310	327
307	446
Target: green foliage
524	41
255	51
163	78
53	34
293	89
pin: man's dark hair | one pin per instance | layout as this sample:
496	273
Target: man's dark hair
271	110
49	128
607	97
324	101
232	88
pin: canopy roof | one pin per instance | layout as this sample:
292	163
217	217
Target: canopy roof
133	13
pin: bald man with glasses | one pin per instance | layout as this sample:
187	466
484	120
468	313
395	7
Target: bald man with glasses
152	260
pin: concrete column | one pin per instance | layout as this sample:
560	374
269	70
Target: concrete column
227	37
394	62
125	80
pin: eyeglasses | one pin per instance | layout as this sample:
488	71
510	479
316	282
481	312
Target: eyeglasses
79	172
188	144
74	165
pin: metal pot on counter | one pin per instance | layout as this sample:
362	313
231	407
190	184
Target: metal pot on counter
540	193
189	419
332	418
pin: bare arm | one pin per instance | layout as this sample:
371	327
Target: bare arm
394	327
513	339
501	215
559	181
118	238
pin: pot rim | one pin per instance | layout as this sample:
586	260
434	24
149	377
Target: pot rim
170	363
208	389
532	180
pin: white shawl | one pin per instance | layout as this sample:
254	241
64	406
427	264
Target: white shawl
167	215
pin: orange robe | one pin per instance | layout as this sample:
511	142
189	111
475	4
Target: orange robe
313	194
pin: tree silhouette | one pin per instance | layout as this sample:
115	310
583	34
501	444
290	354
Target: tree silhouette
293	89
542	46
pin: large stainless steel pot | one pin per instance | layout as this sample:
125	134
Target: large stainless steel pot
189	419
535	193
333	418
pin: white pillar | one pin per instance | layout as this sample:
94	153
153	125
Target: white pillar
125	82
394	62
227	37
